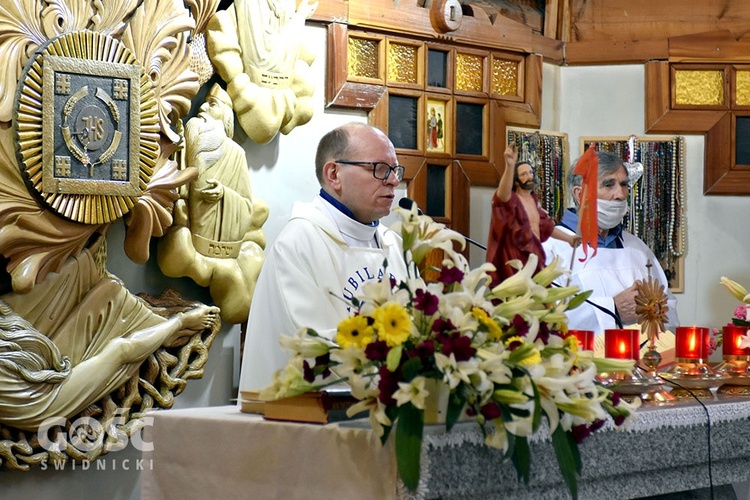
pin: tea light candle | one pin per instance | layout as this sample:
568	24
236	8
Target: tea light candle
691	342
732	336
621	344
585	338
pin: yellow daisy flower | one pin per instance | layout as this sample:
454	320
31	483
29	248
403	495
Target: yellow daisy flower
571	342
392	323
534	358
486	320
355	332
513	339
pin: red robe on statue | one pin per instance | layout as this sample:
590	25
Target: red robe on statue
511	236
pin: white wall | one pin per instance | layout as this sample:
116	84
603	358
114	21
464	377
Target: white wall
581	101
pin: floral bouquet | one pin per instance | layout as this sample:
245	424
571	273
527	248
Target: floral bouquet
741	316
501	354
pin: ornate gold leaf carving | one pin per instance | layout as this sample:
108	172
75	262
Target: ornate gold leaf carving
157	35
110	17
20	34
59	16
201	10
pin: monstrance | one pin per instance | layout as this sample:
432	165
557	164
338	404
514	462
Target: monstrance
651	308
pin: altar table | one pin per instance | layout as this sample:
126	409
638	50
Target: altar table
219	452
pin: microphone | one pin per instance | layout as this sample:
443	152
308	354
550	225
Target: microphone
408	203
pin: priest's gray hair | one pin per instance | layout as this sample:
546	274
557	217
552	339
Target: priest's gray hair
609	163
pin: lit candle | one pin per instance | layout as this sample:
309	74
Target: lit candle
621	344
691	342
731	338
585	338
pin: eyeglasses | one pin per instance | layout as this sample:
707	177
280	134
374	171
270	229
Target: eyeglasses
380	169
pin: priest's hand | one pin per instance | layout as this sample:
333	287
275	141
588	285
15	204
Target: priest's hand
625	303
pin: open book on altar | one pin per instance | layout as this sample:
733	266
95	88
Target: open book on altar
321	407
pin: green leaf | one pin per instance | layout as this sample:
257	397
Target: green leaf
740	322
411	369
568	458
579	299
537	418
409	444
393	358
392	413
522	458
456	403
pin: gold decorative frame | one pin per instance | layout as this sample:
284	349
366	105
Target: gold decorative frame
41	138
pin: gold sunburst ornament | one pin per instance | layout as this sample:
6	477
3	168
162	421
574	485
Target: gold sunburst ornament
86	127
651	308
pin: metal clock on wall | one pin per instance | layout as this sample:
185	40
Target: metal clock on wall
86	127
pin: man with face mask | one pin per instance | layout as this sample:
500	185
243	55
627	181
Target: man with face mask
518	224
621	261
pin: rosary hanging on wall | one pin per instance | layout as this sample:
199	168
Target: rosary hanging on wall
657	199
546	153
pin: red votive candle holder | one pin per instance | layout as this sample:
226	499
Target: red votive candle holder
731	337
691	342
622	343
585	338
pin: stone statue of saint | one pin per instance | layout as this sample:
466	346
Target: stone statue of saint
258	48
217	237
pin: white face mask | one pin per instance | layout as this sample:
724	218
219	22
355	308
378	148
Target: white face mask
610	213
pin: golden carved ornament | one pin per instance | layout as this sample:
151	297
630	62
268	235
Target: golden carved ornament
157	34
651	307
25	25
60	79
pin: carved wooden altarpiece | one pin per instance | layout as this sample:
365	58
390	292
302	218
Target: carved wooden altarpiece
91	98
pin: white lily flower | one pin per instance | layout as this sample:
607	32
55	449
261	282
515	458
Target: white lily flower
512	306
351	360
413	392
497	371
551	272
522	426
498	438
454	372
553	414
520	283
305	345
481	383
739	291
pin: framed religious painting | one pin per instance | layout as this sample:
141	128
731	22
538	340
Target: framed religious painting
438	125
658	210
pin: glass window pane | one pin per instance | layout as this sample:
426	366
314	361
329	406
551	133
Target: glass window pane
437	68
504	77
742	141
469	133
742	96
436	190
363	57
699	87
402	63
469	71
402	121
